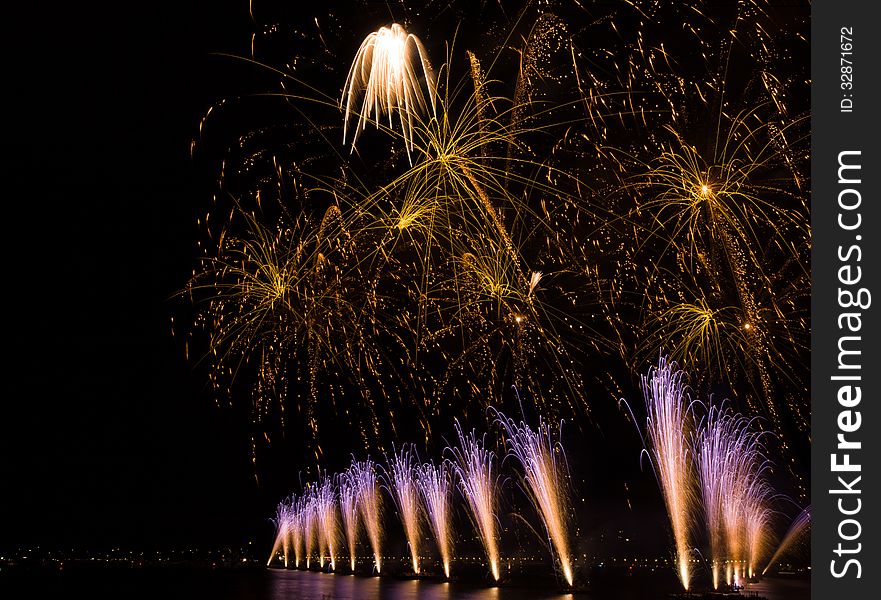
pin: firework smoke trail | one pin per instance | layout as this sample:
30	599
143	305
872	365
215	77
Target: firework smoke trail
283	517
478	481
545	479
799	525
348	487
384	71
668	425
325	506
402	486
369	505
435	485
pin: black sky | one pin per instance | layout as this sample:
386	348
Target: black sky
107	438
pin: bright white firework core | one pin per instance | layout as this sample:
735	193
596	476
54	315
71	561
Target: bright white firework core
385	73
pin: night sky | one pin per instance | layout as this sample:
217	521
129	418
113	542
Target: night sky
110	438
107	438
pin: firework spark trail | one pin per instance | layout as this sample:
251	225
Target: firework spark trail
435	486
717	216
668	426
712	455
734	491
369	506
545	478
757	517
325	506
310	525
799	525
297	530
475	468
744	467
348	487
283	515
384	71
403	487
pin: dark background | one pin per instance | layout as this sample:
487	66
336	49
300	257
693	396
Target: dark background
106	435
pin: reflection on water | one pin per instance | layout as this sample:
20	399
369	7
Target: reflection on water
276	584
287	585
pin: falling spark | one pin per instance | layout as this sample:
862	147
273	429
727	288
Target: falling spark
385	72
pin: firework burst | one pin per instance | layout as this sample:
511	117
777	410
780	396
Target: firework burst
799	525
310	525
283	520
384	72
735	493
326	512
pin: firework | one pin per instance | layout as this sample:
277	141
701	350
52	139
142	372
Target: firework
668	425
326	511
363	475
800	524
365	291
476	472
718	218
310	525
435	486
385	73
403	487
348	487
283	520
734	491
757	515
545	474
296	530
